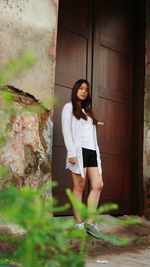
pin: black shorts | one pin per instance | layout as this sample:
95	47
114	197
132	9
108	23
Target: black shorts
89	158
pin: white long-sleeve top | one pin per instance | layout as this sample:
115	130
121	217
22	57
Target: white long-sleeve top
72	133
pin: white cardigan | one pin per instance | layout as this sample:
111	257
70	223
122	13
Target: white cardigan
71	129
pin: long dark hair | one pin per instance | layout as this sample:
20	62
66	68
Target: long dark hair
85	104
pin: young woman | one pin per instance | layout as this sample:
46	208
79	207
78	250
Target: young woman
83	156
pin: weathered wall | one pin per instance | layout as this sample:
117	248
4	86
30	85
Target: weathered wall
29	25
24	152
146	169
32	25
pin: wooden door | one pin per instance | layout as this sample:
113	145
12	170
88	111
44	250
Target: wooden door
113	97
95	41
73	62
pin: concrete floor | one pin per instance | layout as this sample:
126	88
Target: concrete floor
137	254
127	259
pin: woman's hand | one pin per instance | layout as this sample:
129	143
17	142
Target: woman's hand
73	160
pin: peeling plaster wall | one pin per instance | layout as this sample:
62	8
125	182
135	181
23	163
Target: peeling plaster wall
32	25
25	151
146	169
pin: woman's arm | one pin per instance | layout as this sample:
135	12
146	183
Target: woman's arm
66	130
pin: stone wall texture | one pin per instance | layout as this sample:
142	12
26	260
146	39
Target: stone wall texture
146	155
25	152
30	25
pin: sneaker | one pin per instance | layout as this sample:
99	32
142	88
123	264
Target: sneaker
92	229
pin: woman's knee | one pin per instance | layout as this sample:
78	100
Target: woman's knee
79	186
98	186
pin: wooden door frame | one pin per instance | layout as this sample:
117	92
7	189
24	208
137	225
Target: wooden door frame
138	106
139	84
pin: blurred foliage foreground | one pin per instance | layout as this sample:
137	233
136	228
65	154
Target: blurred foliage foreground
45	241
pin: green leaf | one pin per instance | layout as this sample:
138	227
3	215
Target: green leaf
16	66
115	240
62	208
107	207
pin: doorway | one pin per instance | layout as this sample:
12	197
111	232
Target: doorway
96	42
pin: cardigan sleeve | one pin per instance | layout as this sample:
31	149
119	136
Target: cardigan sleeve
66	118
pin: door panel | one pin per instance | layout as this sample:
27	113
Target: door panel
74	16
113	83
73	63
60	175
63	178
112	97
63	95
114	135
118	165
114	21
71	58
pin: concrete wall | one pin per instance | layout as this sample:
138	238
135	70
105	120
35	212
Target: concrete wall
146	165
32	25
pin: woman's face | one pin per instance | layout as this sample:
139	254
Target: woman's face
82	92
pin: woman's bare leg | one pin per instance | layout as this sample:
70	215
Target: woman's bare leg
78	188
96	182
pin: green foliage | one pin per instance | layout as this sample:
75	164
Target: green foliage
16	66
47	239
